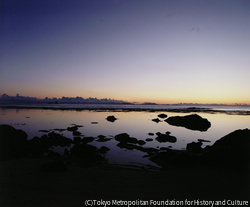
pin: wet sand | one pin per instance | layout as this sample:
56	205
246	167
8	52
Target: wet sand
23	184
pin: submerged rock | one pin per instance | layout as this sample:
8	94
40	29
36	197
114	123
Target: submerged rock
193	122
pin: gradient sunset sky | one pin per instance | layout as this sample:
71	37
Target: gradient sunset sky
163	51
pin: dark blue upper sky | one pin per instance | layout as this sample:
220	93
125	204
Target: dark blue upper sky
163	51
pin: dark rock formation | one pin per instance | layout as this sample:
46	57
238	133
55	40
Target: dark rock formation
56	139
165	138
193	122
76	133
141	142
13	143
111	118
86	140
77	140
102	138
72	129
103	149
87	152
156	120
194	147
163	116
232	150
149	139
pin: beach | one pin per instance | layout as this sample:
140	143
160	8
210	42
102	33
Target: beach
23	184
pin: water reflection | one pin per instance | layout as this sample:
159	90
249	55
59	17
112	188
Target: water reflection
136	124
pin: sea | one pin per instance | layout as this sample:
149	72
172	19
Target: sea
135	120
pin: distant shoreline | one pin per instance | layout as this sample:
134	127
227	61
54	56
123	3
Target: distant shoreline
125	108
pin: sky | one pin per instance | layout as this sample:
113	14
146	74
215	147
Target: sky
161	51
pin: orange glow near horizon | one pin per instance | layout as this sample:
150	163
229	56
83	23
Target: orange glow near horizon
164	52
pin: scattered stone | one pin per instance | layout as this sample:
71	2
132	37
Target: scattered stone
123	137
162	116
111	118
149	139
72	129
193	122
166	138
156	120
151	134
94	122
141	142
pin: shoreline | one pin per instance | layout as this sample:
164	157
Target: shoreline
124	109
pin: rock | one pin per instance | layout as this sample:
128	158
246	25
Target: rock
151	134
45	131
94	122
193	122
72	129
149	139
103	149
238	139
162	116
56	139
86	152
123	137
102	139
86	140
141	142
54	166
156	120
83	150
194	147
231	151
203	140
111	118
13	143
76	133
166	138
77	140
162	158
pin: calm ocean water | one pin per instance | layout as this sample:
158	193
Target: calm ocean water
135	120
